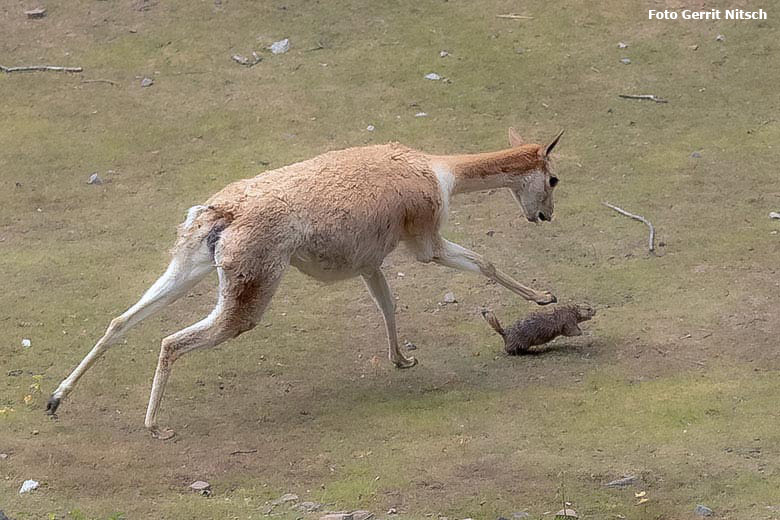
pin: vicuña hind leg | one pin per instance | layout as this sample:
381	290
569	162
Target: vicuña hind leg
182	274
380	291
239	308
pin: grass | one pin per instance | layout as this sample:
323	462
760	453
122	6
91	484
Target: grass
675	382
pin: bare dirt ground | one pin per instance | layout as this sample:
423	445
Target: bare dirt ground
676	381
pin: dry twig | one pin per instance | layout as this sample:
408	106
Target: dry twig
239	452
512	16
37	68
99	81
651	242
649	97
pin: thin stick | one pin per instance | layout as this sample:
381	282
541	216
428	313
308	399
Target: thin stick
649	97
512	16
36	68
651	243
237	452
99	81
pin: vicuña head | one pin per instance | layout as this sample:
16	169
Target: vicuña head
524	168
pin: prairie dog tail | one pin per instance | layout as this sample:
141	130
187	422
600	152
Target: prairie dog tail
493	321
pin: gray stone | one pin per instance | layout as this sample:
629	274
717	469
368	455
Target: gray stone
450	298
308	507
774	215
703	510
720	38
622	45
95	179
625	61
281	46
39	12
147	82
629	480
696	155
432	76
202	487
287	497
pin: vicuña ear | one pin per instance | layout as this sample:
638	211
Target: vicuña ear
548	150
514	137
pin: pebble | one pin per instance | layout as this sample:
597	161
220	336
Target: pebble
720	38
703	510
443	54
420	114
392	511
408	345
432	76
622	482
774	214
95	179
287	497
26	343
29	485
308	507
622	45
280	47
39	12
202	487
625	61
3	456
370	128
147	82
696	155
337	516
450	298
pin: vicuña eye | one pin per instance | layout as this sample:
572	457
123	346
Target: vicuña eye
553	181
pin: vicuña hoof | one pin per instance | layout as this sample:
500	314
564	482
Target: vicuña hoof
162	434
547	299
406	362
52	405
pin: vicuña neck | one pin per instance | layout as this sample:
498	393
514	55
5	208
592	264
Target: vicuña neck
489	170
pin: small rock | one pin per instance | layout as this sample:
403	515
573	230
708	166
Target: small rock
629	480
287	497
147	82
720	38
29	485
703	510
408	345
26	343
370	128
95	179
622	45
39	12
421	114
696	155
35	432
774	215
401	275
202	487
567	513
337	516
308	507
625	61
449	298
443	54
490	232
392	511
3	456
280	47
362	515
432	76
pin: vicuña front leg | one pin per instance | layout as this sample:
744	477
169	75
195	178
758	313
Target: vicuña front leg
452	255
380	291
